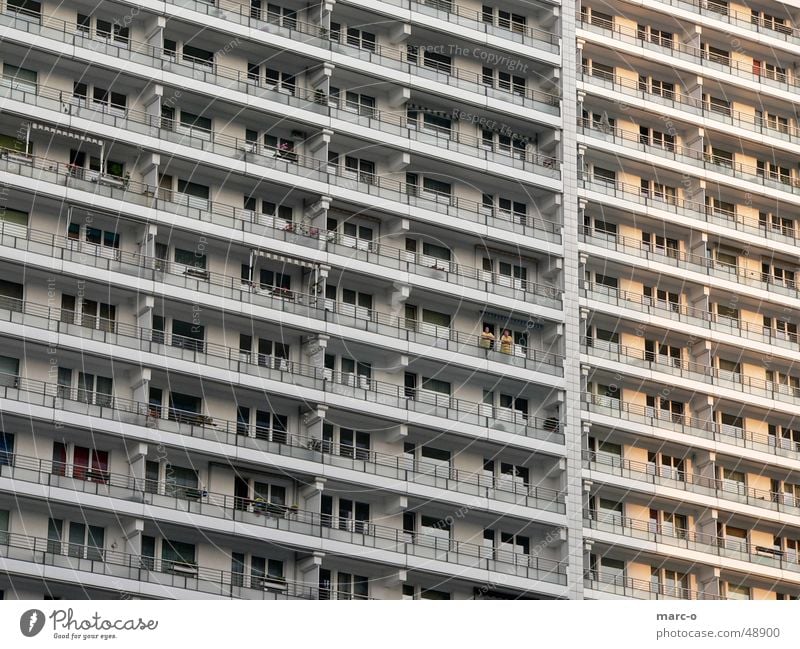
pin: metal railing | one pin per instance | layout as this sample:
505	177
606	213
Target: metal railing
706	161
360	460
119	566
671	477
671	535
202	70
285	300
689	315
722	114
639	588
126	190
678	50
691	370
688	261
314	525
684	424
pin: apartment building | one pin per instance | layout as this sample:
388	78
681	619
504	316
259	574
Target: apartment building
688	196
248	255
398	300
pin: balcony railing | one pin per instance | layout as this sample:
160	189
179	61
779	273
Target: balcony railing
126	190
688	261
667	534
689	315
684	424
690	209
693	371
143	123
421	264
117	566
639	588
682	51
667	476
722	12
708	162
310	524
443	9
722	114
390	58
360	460
197	500
311	306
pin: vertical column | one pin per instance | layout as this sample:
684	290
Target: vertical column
571	167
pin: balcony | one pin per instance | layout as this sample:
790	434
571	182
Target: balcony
724	117
368	467
109	569
712	63
693	157
669	535
645	201
673	367
470	211
654	418
440	9
690	316
694	263
391	60
639	588
719	10
663	476
309	306
310	525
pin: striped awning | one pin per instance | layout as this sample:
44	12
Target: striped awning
55	130
532	323
284	259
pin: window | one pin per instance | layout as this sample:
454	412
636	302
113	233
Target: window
190	258
192	194
281	81
361	39
197	55
437	187
352	586
653	35
656	87
345	442
662	298
181	482
715	54
275	282
87	464
356	102
503	80
660	245
28	8
359	168
605	176
280	146
662	353
279	15
184	407
780	329
665	409
265	571
272	426
503	19
84	541
774	274
717	105
83	23
19	78
96	390
344	514
9	371
438	62
598	70
177	556
772	171
188	335
655	138
6	449
194	125
669	582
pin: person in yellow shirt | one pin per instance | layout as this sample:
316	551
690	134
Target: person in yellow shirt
487	338
506	342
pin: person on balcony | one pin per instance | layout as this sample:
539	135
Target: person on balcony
506	342
487	338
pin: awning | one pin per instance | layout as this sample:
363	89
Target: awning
285	259
532	323
55	130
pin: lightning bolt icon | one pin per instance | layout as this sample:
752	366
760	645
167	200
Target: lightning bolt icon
32	621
